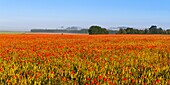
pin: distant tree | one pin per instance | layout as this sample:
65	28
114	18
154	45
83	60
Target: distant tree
153	29
168	31
160	31
97	30
129	31
146	31
141	32
84	30
122	31
134	31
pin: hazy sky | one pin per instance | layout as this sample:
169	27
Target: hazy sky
26	14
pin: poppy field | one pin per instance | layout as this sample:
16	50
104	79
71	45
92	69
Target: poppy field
53	59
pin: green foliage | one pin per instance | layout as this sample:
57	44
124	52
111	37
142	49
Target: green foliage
122	31
155	30
97	30
152	30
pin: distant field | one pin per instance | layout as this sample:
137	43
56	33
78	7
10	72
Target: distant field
55	59
10	32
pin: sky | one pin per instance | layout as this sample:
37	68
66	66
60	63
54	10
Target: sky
23	15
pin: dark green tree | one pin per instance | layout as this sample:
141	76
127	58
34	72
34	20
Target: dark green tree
153	29
97	30
160	31
129	31
141	32
168	31
121	31
146	31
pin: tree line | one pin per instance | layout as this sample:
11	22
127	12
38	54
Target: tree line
99	30
152	30
82	31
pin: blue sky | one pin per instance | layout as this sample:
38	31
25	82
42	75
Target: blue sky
26	14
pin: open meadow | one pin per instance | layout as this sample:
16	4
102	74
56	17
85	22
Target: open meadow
56	59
